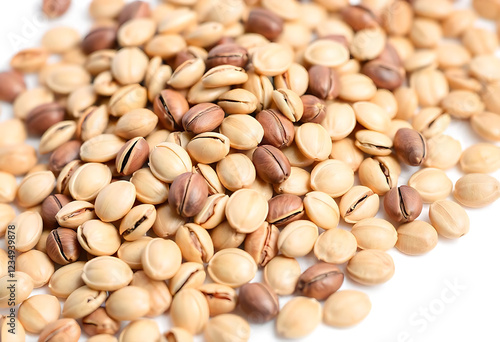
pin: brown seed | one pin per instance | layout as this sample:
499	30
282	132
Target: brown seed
134	10
314	109
50	206
324	82
278	130
285	208
262	244
11	85
62	246
203	117
271	164
410	146
320	281
99	322
132	156
188	194
385	75
259	302
55	8
264	22
227	54
170	106
403	204
64	154
40	118
359	17
100	38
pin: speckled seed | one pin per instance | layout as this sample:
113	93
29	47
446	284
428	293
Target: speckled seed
417	237
299	317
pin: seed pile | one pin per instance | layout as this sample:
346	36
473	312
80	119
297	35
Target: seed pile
193	143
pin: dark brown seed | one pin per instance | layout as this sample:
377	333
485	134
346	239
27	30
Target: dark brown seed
320	281
231	54
403	204
314	109
383	74
181	57
410	146
285	208
188	194
278	130
324	82
203	117
134	10
259	302
359	17
262	244
100	38
42	117
62	246
11	85
170	106
65	153
50	206
55	8
132	156
271	164
264	22
99	322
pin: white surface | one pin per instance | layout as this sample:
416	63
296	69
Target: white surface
450	294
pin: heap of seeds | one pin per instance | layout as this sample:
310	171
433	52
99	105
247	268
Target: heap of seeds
194	143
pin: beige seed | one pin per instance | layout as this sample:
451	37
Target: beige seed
346	308
299	317
417	237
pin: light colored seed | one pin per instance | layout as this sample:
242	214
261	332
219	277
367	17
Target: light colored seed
299	317
417	237
480	158
346	308
432	184
371	267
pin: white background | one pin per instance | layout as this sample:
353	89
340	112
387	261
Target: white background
471	312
